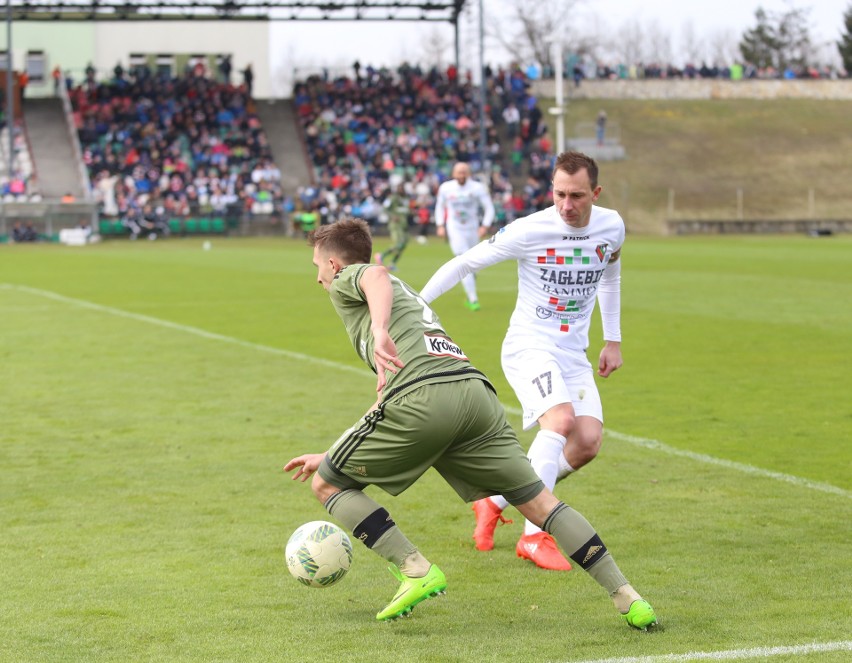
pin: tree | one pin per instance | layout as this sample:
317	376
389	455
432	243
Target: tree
691	45
779	40
658	45
435	48
536	26
844	46
760	45
722	47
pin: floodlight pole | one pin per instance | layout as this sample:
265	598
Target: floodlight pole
560	124
559	109
10	102
483	134
456	44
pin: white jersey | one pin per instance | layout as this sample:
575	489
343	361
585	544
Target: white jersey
559	268
458	206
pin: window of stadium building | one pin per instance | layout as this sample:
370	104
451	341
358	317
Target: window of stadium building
165	65
137	61
36	66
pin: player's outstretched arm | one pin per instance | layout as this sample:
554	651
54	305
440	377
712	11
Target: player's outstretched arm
376	286
474	259
440	214
488	211
609	299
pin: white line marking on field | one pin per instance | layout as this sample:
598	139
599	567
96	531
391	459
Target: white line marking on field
733	654
185	328
730	464
654	445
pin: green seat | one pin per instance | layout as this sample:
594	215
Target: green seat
118	228
105	227
190	226
218	225
175	225
4	239
204	225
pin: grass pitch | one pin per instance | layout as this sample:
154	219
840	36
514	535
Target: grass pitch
151	392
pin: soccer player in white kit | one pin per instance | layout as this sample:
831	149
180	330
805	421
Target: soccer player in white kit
457	209
568	256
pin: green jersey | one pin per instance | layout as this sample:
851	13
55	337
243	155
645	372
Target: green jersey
398	209
429	354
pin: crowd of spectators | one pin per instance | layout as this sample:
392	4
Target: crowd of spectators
580	68
24	232
378	129
22	185
160	147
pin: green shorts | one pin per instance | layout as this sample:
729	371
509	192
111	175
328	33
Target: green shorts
459	428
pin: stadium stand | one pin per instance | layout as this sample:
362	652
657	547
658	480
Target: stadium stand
181	155
23	184
368	133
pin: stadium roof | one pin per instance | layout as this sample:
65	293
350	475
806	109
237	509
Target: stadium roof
228	10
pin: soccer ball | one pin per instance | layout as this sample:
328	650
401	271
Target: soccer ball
318	554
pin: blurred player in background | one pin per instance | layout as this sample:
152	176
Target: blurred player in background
398	209
457	210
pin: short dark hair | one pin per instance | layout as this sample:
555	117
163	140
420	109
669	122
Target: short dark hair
349	239
572	162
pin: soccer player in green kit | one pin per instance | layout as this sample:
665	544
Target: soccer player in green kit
434	409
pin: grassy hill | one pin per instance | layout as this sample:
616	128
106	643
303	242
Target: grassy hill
775	150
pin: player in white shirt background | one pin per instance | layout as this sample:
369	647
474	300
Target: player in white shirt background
568	257
458	205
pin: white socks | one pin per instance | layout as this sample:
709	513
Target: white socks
564	468
469	285
548	460
544	455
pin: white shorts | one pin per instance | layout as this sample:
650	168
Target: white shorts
462	239
544	377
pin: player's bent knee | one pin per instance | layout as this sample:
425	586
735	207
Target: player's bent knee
322	489
559	419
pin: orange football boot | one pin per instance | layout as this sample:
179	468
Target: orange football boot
541	550
487	517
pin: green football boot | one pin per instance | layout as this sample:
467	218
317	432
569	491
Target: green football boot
641	615
412	591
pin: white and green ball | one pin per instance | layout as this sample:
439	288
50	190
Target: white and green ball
319	554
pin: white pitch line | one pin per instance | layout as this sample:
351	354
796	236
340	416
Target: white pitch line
644	443
732	654
656	445
730	464
185	328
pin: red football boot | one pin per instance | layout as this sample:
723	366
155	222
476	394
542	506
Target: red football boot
541	550
487	517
